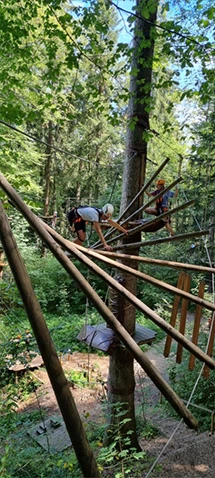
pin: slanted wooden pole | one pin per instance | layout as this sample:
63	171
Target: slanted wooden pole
156	219
179	237
141	275
174	313
196	325
145	187
58	380
151	201
142	190
124	336
183	317
40	227
130	297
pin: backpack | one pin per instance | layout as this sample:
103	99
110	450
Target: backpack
73	214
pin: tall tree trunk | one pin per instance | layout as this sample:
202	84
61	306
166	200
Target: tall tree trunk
121	373
48	171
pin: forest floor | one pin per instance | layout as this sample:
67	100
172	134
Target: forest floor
188	454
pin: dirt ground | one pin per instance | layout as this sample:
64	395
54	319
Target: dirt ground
88	399
187	454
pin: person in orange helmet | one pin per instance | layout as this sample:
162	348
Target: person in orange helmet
162	203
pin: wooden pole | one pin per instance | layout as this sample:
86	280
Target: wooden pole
40	227
179	237
58	380
136	302
141	275
210	345
142	190
156	219
196	325
183	317
151	201
173	317
111	320
158	262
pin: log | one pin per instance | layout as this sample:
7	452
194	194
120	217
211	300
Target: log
58	380
146	225
153	200
183	317
130	297
142	190
158	262
210	345
169	288
179	237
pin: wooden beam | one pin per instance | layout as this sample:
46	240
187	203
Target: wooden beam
158	262
143	226
130	297
143	276
179	237
142	190
153	200
210	345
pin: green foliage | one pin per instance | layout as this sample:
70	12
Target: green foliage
146	430
183	382
120	454
56	291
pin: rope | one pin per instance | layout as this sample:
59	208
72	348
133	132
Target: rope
156	25
200	373
17	130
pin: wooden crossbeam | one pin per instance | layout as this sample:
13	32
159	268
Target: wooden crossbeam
158	262
210	345
179	237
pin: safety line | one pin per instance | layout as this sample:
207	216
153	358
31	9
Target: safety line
101	68
156	25
201	370
17	130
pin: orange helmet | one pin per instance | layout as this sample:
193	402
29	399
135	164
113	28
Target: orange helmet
160	181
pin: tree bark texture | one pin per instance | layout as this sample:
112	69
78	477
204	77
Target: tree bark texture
48	171
121	373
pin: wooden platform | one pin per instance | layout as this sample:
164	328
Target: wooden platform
23	364
51	434
103	338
